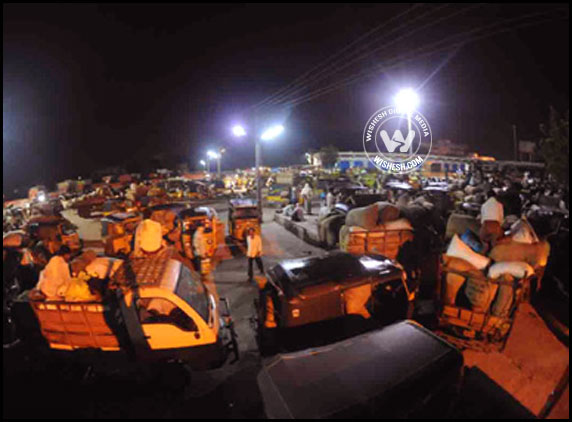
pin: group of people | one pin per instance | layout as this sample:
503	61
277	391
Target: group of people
300	202
81	280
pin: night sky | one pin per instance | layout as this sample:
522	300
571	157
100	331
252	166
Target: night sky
91	86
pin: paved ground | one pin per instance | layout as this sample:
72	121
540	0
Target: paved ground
530	367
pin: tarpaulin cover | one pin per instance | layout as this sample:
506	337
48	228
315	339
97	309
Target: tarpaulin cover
383	373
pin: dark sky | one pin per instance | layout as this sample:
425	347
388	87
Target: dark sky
91	86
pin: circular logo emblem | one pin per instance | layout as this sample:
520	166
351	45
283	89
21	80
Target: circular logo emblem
397	142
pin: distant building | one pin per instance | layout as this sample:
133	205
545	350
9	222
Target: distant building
527	151
450	148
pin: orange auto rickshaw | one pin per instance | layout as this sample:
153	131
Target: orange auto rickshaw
242	215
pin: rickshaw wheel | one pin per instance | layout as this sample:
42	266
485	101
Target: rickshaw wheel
265	338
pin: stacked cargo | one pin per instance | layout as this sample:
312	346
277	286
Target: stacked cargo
375	229
480	294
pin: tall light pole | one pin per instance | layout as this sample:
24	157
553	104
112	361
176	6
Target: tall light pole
221	151
268	135
515	143
407	101
217	156
212	155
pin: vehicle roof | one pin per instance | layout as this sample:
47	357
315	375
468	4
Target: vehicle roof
196	212
339	267
398	185
175	206
120	216
47	220
346	186
243	203
348	377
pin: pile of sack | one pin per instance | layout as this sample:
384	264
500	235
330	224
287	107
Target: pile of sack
377	229
486	282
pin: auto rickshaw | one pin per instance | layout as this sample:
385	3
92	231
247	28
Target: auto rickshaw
117	231
190	219
278	194
308	300
219	187
90	205
154	309
242	215
174	188
196	190
53	232
117	205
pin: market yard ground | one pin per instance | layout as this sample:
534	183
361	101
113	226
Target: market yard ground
517	381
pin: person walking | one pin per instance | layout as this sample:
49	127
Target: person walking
254	252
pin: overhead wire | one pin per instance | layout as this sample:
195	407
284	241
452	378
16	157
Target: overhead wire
413	55
386	45
335	67
302	77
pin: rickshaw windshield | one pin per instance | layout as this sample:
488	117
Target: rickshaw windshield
245	212
193	291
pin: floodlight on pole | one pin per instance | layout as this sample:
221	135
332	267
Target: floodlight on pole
406	100
212	155
269	134
238	131
272	132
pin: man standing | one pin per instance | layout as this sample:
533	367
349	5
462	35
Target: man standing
200	246
330	199
492	217
254	252
307	194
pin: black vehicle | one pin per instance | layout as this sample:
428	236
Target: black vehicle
553	224
401	371
305	291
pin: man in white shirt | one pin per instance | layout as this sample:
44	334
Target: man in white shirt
254	252
200	247
56	277
307	194
330	200
492	217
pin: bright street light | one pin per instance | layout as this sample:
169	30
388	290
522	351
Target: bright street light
406	100
213	155
272	132
239	131
203	163
269	134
